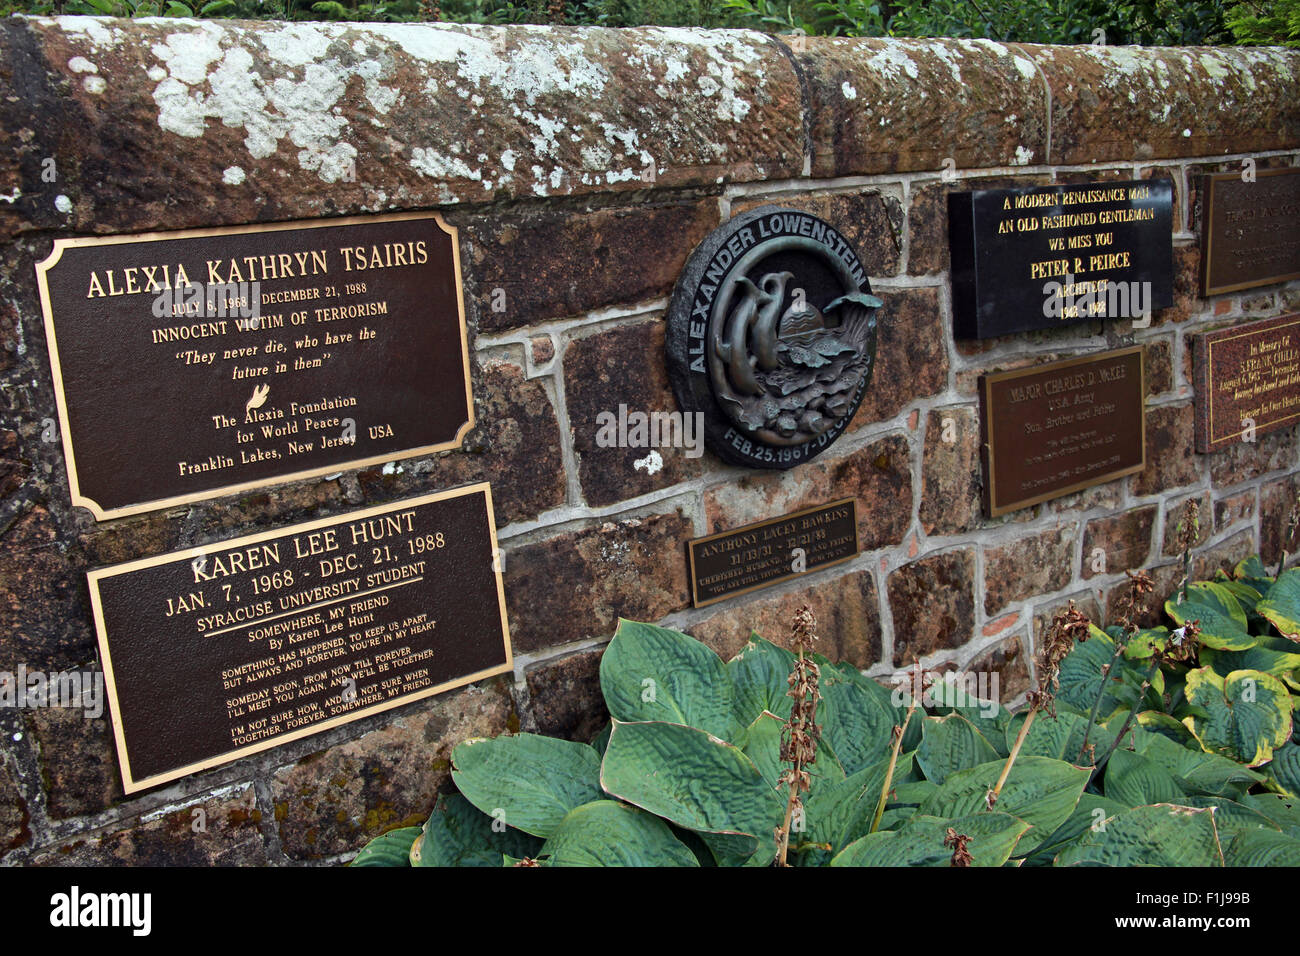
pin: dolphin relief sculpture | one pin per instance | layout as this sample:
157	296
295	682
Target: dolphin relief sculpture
772	336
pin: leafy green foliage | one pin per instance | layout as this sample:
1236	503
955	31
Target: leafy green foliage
1148	22
653	673
1266	22
1159	835
459	834
609	833
391	849
1041	791
921	842
1243	716
1204	770
697	782
531	782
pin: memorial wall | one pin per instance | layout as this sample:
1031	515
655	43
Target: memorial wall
357	379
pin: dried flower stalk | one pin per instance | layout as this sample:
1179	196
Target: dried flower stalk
1066	627
800	734
1131	607
920	682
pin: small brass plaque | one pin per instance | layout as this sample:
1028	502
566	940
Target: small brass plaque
189	365
746	559
1057	428
217	652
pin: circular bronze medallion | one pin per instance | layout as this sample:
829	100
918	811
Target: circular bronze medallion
772	336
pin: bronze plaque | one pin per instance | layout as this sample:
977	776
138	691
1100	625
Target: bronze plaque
217	652
1247	381
1054	429
1250	231
746	559
194	364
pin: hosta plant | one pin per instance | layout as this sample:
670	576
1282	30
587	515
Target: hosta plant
689	771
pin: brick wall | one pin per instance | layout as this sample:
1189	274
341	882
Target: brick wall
582	167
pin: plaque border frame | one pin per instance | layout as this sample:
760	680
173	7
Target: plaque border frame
1207	233
132	785
988	452
767	522
65	434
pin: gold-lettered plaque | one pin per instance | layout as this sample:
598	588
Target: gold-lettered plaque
189	365
217	652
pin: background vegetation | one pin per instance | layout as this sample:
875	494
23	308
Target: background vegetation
1146	22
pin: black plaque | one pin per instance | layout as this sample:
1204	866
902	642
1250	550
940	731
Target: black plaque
1054	429
1247	381
757	555
772	337
194	364
217	652
1250	233
1048	256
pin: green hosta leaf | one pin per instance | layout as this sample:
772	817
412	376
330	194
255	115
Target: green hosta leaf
1196	771
763	746
1280	808
949	744
1166	725
857	725
1041	791
217	7
535	780
459	834
388	849
844	671
1262	848
904	800
653	673
608	833
601	740
1135	781
1213	594
920	842
1160	835
1251	567
1281	606
1146	642
1219	628
696	781
840	813
1279	661
896	699
1231	816
1082	680
1284	771
759	675
1091	811
1247	596
988	717
175	9
1247	714
1061	737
